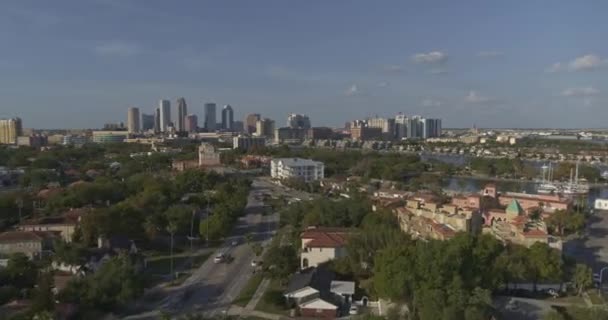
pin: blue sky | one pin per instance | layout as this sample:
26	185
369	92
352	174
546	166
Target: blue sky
81	63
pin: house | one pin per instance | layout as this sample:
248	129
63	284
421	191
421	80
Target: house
321	244
305	169
64	225
31	243
316	294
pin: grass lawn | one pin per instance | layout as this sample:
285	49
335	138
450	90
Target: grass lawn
273	301
161	265
595	298
249	290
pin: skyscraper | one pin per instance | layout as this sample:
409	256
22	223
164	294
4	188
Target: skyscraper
250	122
147	122
165	114
182	111
210	118
157	116
265	128
227	118
10	129
298	121
191	123
133	119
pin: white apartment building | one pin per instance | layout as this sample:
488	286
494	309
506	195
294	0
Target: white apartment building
306	169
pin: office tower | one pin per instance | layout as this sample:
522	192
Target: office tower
298	121
133	119
182	111
400	126
238	126
210	118
147	122
265	128
10	129
157	116
191	123
251	122
227	118
165	114
431	128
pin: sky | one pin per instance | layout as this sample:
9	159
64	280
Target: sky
82	63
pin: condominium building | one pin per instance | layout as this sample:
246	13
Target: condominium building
264	128
246	143
147	122
133	119
10	129
289	135
227	118
182	111
305	169
298	121
250	123
210	117
191	123
165	115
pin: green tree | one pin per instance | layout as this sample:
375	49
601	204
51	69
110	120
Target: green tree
281	261
582	278
43	298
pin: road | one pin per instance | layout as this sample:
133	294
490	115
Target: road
592	249
212	287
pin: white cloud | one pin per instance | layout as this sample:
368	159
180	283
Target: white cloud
587	62
430	103
117	48
489	54
475	97
395	68
580	92
555	67
352	90
434	57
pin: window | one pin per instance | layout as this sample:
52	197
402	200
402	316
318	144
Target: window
304	263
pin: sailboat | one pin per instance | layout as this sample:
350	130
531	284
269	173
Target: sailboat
546	185
576	186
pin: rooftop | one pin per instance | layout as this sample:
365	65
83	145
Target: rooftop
322	237
21	236
293	162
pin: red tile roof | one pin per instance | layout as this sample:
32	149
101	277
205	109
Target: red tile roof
535	234
21	236
323	237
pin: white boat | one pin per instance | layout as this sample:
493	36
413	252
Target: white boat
576	186
546	186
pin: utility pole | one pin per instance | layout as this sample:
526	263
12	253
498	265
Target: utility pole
19	203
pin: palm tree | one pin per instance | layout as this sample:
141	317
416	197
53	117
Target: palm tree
172	228
583	278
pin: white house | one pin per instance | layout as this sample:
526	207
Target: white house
306	169
601	204
322	244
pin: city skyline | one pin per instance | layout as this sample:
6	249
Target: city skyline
493	65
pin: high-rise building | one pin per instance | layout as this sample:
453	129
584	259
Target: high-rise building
182	111
10	129
431	128
191	123
165	114
400	126
133	119
251	121
147	122
387	125
238	126
298	121
227	118
210	118
265	128
157	116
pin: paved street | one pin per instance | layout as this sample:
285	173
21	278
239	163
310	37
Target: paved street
592	249
212	288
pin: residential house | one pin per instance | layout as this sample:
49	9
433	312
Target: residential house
430	220
321	244
33	244
316	294
64	225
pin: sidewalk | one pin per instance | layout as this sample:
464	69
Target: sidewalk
257	295
242	312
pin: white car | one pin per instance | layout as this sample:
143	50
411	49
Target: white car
219	258
353	311
254	263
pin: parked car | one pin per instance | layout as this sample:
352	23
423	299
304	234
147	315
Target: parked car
354	310
219	258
